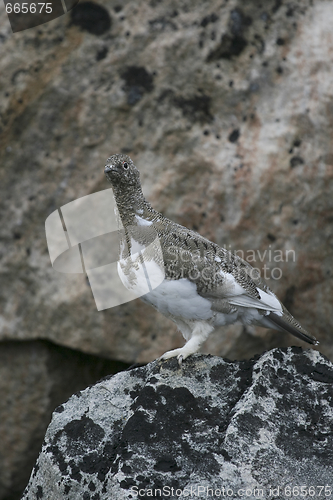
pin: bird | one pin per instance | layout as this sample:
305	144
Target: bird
204	285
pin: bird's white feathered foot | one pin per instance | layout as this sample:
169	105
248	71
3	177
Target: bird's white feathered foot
200	333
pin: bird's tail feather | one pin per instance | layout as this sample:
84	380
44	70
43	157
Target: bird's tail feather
285	323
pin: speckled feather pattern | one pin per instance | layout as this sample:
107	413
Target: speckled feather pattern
233	289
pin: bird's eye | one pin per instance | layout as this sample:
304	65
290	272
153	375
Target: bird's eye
125	164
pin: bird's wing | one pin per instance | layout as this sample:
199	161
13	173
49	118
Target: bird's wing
188	255
217	272
232	291
274	314
226	279
267	300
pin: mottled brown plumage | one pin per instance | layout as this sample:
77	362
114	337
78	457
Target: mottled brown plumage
221	279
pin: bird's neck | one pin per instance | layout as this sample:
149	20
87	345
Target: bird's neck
132	205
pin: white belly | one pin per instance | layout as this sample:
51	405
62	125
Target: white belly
179	299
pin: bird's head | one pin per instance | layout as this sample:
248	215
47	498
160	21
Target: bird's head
122	173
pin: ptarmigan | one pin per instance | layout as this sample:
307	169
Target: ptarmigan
204	285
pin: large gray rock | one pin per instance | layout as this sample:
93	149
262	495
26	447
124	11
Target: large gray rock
242	426
226	108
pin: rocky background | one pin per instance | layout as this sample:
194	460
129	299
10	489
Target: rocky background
227	109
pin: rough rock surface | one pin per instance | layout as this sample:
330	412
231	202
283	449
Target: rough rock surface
35	377
259	424
226	107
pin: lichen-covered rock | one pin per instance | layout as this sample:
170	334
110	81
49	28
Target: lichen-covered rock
264	424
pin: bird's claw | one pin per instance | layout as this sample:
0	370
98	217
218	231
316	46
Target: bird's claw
171	354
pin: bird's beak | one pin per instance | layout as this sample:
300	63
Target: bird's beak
107	169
